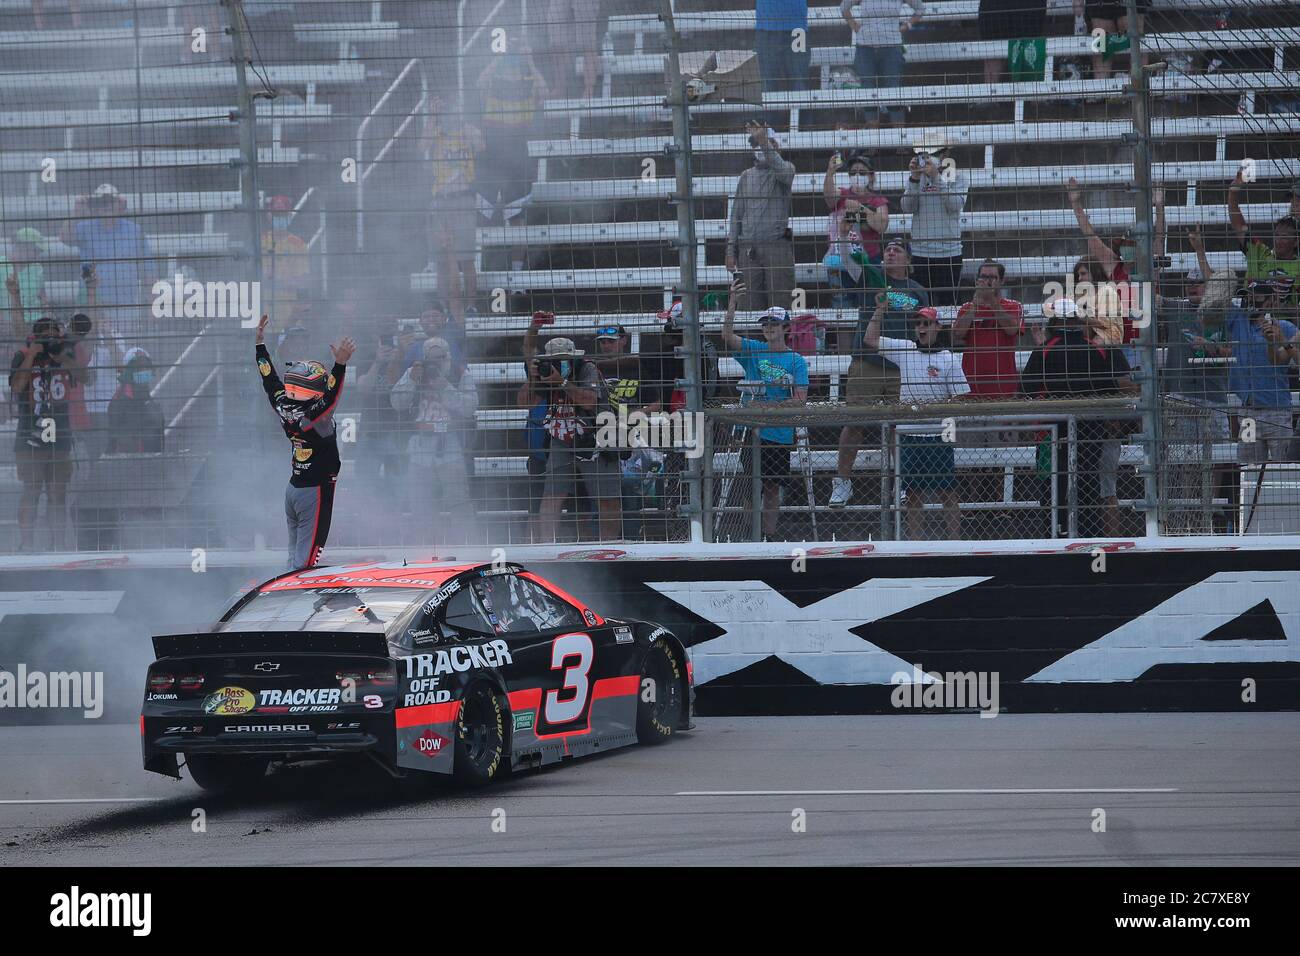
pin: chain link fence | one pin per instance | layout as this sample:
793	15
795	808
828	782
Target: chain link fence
484	196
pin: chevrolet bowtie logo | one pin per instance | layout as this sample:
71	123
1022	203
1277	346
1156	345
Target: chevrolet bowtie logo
266	666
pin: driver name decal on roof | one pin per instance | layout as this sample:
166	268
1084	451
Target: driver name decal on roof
457	659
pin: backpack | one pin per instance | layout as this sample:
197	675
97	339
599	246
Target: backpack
807	334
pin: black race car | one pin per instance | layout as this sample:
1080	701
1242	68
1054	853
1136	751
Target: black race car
468	671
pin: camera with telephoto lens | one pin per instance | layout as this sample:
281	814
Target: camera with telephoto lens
546	367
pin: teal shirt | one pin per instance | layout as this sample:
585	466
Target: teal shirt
31	284
781	372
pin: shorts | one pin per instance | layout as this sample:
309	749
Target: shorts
601	475
1273	434
869	382
1108	469
926	463
49	465
455	225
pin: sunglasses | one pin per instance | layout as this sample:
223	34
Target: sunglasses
611	331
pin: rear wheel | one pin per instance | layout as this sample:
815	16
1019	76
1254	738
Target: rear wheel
222	773
480	737
660	700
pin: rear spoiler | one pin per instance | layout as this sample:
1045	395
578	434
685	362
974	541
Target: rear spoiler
234	642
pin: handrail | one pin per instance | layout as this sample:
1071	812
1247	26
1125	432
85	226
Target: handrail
361	130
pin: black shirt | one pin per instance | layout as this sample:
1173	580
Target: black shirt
309	426
135	422
45	398
1069	366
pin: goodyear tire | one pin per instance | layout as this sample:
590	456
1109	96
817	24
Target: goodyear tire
220	773
480	746
660	699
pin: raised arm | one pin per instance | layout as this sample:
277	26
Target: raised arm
1235	218
1098	249
730	339
1198	246
829	192
271	383
871	338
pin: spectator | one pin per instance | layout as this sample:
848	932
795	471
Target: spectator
1009	20
935	195
452	151
575	394
622	372
988	329
759	239
29	249
572	26
1261	260
100	352
437	323
783	375
1263	345
118	250
859	217
286	268
383	438
1112	19
441	411
1071	365
872	376
878	47
135	422
1104	328
929	372
513	92
39	376
1112	266
782	44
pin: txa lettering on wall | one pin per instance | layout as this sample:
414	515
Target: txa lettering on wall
454	660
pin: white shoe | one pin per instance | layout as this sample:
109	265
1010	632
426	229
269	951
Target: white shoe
841	492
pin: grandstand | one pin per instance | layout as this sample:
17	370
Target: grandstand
335	107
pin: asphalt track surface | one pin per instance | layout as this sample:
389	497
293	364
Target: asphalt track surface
1176	789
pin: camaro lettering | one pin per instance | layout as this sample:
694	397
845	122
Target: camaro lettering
266	728
300	698
456	659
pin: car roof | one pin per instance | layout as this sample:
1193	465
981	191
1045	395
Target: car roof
390	574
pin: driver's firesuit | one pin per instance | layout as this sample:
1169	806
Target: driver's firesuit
306	410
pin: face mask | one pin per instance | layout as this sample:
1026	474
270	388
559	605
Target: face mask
565	367
758	155
859	182
142	377
280	222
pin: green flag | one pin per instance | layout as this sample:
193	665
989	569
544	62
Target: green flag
1026	59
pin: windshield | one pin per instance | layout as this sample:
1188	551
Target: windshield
323	609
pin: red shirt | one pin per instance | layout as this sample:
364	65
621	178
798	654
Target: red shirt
989	359
1119	276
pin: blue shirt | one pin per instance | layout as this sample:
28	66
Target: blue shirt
119	251
1253	378
781	372
784	15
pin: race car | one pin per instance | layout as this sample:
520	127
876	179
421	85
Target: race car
469	671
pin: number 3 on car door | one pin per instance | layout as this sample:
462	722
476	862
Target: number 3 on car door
572	653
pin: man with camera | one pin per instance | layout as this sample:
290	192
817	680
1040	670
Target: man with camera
935	195
759	240
40	376
575	393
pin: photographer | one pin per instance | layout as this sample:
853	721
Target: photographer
575	394
935	195
440	411
759	239
40	376
859	216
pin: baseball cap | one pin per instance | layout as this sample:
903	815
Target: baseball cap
106	189
1263	287
562	346
1061	308
928	312
1194	274
610	332
28	234
858	157
435	348
775	314
901	243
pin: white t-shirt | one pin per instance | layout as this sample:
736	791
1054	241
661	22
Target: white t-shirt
925	376
878	20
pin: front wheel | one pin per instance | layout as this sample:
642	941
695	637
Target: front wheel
660	702
479	750
222	773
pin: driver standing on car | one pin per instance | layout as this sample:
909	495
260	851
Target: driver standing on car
305	403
